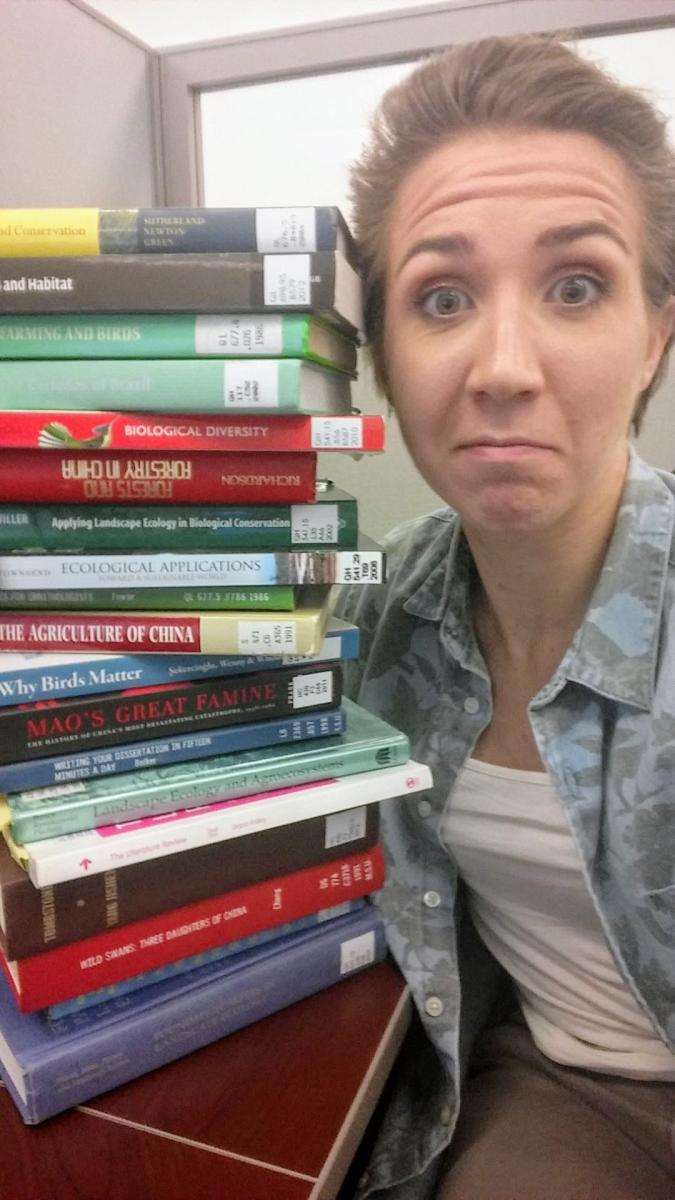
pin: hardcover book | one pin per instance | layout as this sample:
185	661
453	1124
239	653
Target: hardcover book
133	477
62	973
298	632
43	676
242	385
354	434
272	230
126	758
36	919
43	1062
186	569
176	335
321	282
55	859
137	714
367	744
256	598
331	522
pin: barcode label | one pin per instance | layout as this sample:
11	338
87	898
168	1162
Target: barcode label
345	827
316	688
357	952
343	433
264	637
313	524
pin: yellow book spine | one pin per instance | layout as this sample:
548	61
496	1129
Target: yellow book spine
43	232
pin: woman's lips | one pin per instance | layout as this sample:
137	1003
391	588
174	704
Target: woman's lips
503	451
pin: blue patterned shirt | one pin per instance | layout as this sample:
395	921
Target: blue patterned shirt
604	725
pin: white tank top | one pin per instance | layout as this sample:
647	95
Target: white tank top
507	831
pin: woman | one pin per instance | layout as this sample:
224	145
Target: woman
516	213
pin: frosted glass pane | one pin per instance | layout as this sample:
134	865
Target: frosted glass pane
644	60
291	141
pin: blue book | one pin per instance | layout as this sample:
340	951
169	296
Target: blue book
146	978
49	1066
161	752
25	677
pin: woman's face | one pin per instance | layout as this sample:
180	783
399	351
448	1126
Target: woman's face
517	335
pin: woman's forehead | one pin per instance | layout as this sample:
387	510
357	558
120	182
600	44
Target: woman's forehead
483	173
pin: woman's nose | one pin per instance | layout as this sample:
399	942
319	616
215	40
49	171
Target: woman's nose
507	362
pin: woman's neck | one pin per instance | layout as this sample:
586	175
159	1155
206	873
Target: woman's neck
535	586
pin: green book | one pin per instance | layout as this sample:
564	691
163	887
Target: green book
369	743
176	335
197	385
332	521
278	598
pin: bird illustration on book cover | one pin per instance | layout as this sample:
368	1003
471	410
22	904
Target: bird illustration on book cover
56	436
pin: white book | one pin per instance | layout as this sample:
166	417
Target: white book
54	860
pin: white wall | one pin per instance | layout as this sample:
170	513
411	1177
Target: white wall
75	99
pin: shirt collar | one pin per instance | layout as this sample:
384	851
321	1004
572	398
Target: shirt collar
614	651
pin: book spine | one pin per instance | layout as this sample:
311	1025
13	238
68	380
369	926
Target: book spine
65	810
190	570
80	476
155	633
55	859
40	676
321	282
353	434
275	598
72	231
34	731
59	974
37	919
38	773
182	1015
167	385
77	528
124	987
58	336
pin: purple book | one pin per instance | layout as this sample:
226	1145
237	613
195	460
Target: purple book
49	1066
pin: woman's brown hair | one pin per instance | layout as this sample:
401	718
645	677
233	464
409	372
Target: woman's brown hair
535	82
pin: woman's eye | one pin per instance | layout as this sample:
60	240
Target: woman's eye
444	301
575	291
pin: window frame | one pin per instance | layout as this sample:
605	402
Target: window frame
182	74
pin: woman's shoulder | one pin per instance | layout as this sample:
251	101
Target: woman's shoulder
411	549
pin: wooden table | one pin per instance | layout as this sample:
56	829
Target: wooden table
273	1112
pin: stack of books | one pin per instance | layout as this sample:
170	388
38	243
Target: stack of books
190	812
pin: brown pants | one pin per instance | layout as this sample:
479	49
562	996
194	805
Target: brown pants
532	1130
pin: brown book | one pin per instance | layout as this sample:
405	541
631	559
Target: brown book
36	919
321	282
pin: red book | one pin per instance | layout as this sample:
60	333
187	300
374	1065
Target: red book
142	431
105	958
130	477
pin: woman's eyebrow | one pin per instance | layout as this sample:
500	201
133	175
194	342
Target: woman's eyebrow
452	243
563	234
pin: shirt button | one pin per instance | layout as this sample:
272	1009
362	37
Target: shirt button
424	808
471	705
433	1007
445	1115
431	899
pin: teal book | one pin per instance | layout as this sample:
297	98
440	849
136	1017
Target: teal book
277	598
368	744
199	385
331	521
176	335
